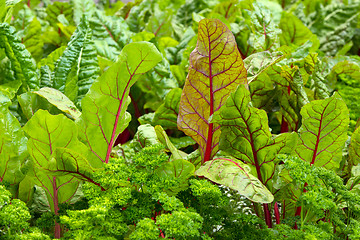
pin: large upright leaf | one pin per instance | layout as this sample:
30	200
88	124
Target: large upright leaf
216	69
21	62
236	175
47	133
104	114
13	150
323	132
246	136
354	148
78	59
32	39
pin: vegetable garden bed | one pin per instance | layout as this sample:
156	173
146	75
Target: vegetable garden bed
195	119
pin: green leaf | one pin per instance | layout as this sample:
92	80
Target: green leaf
111	30
236	175
13	150
51	59
178	169
245	135
104	114
83	7
21	62
59	100
160	22
293	30
33	39
216	69
323	132
166	115
354	148
77	67
335	25
144	137
56	9
164	139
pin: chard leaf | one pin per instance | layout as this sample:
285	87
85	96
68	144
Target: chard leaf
56	9
164	139
246	136
47	133
59	100
335	25
160	22
83	7
13	150
112	31
21	62
51	59
236	175
216	69
77	68
104	114
354	148
144	137
33	39
166	115
323	132
293	30
178	169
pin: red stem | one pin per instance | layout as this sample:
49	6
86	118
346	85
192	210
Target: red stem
267	215
57	230
208	148
28	3
277	213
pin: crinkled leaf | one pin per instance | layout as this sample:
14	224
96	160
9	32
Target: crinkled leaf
59	100
166	115
78	59
246	136
104	114
216	69
236	175
21	62
323	132
112	30
52	58
56	9
83	7
335	25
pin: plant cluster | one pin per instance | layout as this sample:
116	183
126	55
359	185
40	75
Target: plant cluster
186	119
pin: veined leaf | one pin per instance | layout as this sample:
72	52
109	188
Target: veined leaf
354	148
144	137
293	30
166	115
21	62
104	114
78	59
160	22
32	39
323	132
236	175
164	139
13	150
83	7
59	100
246	136
47	133
56	9
216	69
112	30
